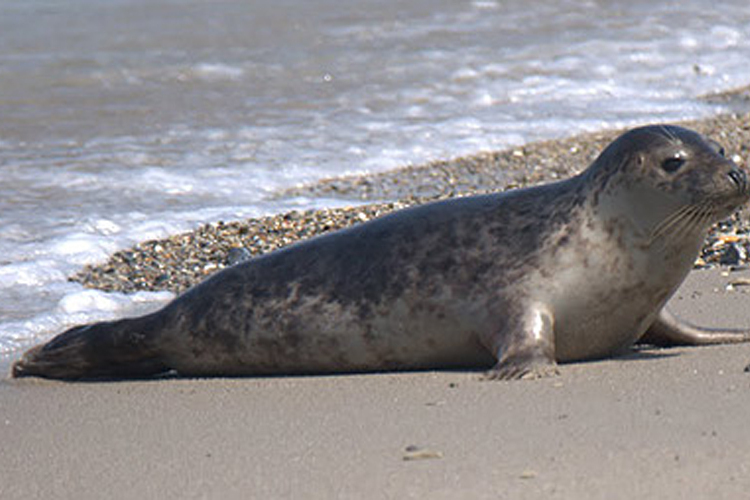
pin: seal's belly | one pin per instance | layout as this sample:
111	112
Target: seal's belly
315	337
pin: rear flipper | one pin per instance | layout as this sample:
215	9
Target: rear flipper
119	349
668	330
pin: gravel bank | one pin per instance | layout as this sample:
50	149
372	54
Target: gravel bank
182	260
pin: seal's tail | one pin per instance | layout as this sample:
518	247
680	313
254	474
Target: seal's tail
122	348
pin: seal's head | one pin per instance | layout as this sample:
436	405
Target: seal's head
668	180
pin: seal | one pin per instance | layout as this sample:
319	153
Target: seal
515	282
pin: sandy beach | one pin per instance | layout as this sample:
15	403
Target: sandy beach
146	145
657	423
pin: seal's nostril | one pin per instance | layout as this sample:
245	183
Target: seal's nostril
738	177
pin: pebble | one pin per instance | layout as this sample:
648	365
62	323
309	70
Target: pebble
413	452
528	474
180	261
237	255
730	255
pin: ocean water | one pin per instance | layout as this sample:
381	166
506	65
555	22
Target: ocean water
126	120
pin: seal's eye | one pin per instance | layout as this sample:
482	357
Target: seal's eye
672	164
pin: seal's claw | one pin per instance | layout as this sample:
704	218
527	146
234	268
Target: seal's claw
515	370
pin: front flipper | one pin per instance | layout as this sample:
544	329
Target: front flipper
525	348
668	330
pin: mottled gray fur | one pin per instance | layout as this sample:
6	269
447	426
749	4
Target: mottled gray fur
573	270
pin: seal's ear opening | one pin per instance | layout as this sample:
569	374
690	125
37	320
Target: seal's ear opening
717	147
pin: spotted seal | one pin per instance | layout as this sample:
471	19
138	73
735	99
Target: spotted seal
574	270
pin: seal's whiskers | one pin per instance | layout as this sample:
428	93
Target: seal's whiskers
671	223
671	136
687	218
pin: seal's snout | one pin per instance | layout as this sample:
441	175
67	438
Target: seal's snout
739	177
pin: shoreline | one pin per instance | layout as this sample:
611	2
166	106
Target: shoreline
180	261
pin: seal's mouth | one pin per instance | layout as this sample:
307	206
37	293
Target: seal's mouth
738	178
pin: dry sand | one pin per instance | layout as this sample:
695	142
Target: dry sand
655	424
